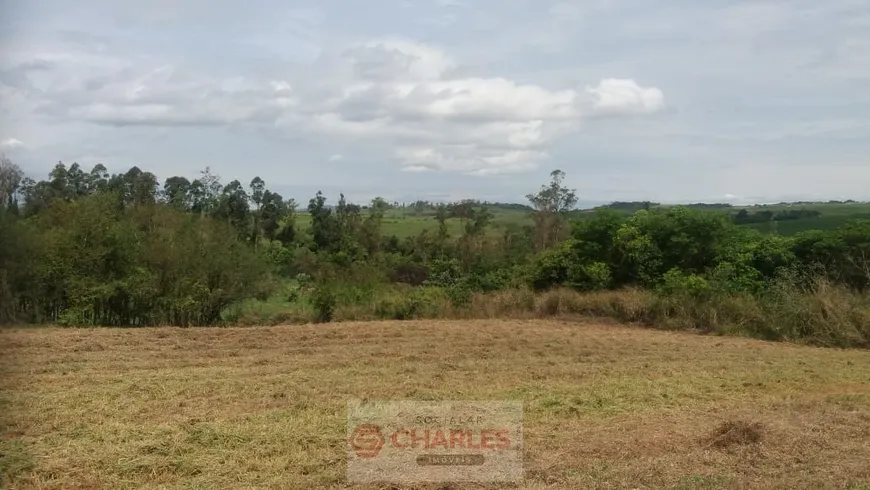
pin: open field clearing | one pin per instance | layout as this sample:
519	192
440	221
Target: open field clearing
606	406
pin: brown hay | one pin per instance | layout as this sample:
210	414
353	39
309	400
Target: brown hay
735	432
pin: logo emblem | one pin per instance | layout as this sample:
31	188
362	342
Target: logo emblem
367	440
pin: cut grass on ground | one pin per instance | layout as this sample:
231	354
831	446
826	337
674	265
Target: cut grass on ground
606	406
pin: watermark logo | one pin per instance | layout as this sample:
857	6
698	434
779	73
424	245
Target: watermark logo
367	440
450	441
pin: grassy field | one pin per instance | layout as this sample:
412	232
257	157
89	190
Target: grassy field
405	223
792	227
606	406
827	209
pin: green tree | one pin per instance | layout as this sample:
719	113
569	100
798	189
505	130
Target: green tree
58	183
278	217
324	227
596	236
98	179
177	192
10	182
234	208
371	226
78	181
258	188
206	193
551	204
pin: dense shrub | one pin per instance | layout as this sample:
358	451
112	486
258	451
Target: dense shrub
445	272
403	270
594	276
550	267
324	300
729	277
98	264
459	293
676	282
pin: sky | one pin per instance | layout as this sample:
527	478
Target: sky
671	101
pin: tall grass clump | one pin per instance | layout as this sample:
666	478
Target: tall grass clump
629	305
808	309
409	303
796	307
824	314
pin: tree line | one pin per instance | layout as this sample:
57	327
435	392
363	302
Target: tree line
93	248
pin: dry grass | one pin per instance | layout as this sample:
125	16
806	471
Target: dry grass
606	406
736	432
828	315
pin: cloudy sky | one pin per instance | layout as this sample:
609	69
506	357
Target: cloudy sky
682	100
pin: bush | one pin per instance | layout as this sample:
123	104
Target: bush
324	301
303	279
409	273
281	257
294	294
398	307
678	283
736	278
550	267
494	280
589	277
459	294
444	272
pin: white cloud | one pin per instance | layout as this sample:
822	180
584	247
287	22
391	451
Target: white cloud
281	86
397	59
406	95
470	160
488	99
451	3
101	92
622	96
11	144
336	158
